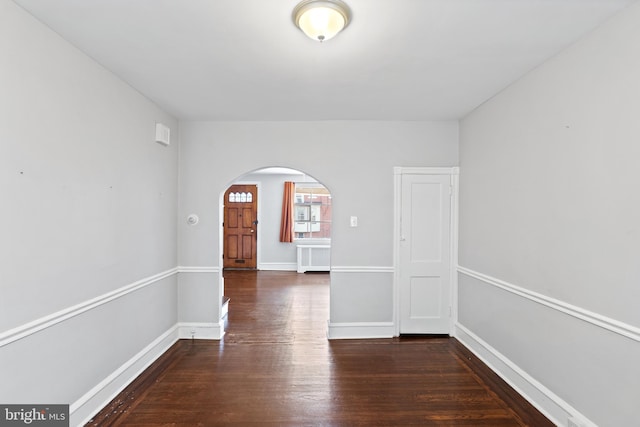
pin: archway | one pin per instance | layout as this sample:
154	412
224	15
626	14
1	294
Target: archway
310	250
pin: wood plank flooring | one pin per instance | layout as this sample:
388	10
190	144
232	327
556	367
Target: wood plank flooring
275	367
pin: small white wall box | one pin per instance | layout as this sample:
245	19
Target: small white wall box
163	134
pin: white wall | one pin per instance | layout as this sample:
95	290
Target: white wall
354	160
273	254
89	205
550	230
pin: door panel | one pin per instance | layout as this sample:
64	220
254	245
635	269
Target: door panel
231	250
240	226
247	217
425	283
426	222
231	219
426	301
247	247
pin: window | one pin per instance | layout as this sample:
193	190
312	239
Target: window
240	197
312	212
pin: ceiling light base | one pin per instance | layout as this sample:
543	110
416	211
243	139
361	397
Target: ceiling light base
321	20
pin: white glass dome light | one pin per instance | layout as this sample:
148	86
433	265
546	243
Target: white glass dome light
321	19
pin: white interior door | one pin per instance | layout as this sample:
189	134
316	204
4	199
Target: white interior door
425	254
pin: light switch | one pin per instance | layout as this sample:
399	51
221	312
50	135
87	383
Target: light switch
354	221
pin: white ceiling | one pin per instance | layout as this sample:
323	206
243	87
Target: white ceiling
245	59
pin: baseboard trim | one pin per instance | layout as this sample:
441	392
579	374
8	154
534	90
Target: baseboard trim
551	405
360	330
83	409
596	319
200	331
278	266
45	322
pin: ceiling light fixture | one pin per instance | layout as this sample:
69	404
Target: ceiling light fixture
321	19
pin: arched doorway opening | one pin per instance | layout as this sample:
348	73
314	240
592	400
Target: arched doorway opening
309	249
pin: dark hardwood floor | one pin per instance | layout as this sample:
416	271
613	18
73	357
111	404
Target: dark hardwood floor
275	367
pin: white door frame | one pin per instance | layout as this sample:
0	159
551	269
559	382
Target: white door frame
397	212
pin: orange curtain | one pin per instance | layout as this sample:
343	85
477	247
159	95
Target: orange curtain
286	223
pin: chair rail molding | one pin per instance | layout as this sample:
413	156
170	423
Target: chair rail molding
361	269
45	322
612	325
197	269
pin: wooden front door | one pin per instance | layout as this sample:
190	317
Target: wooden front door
240	226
